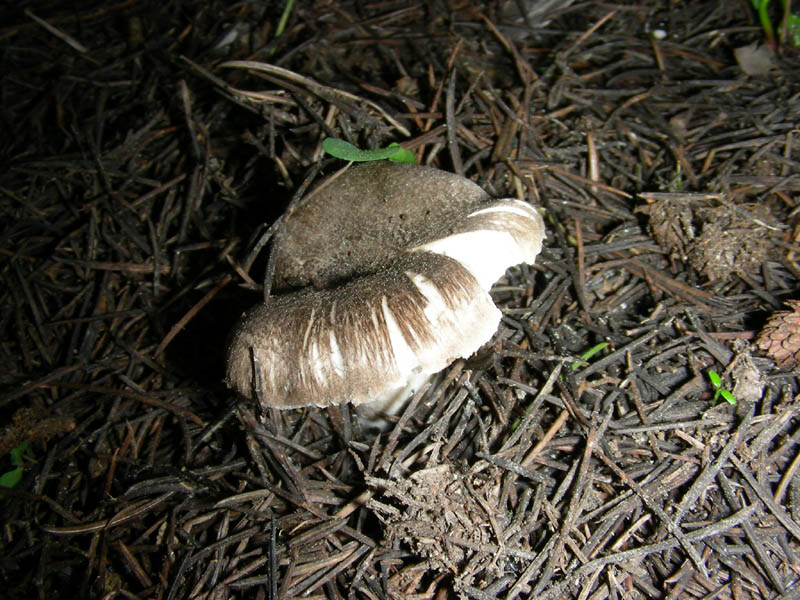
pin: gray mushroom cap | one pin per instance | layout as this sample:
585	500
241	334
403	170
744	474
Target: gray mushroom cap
387	300
361	218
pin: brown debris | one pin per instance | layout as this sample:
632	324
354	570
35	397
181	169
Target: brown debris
139	189
32	424
732	240
717	240
452	520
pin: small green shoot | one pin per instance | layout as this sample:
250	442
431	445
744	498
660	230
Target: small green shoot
716	382
287	10
677	181
790	23
11	478
587	355
762	7
346	151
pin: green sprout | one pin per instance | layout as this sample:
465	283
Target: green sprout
789	27
11	478
716	381
346	151
587	355
287	11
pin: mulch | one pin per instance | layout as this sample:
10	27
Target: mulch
147	148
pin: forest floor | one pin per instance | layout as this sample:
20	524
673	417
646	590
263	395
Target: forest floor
141	169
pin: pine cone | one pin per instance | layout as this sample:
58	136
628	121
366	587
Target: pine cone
780	337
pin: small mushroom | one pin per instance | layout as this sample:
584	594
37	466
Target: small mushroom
383	276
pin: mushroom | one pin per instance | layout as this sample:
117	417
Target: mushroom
383	276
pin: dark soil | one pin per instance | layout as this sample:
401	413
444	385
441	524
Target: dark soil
141	169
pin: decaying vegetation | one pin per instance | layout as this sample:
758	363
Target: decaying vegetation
147	148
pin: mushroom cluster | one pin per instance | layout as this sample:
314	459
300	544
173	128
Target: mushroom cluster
382	276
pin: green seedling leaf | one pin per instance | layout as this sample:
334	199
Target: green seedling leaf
402	155
588	354
728	396
11	478
716	381
16	454
346	151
